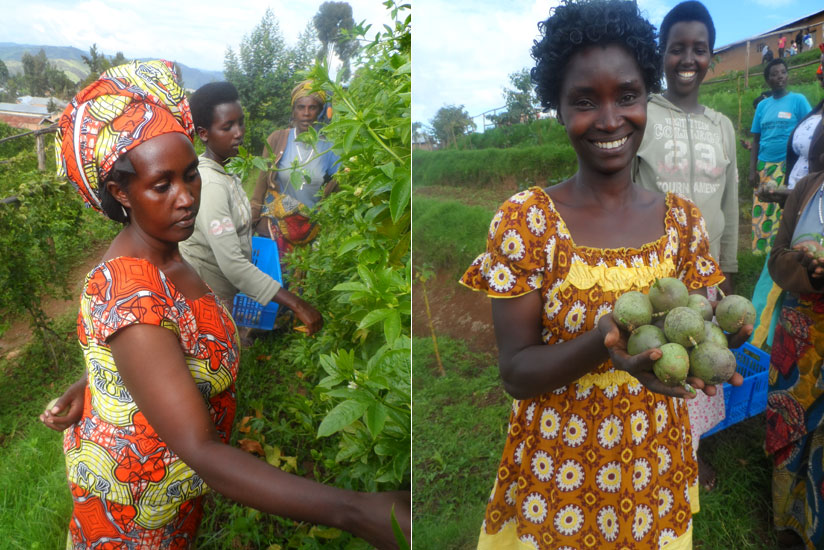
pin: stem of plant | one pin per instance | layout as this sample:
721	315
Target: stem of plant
432	329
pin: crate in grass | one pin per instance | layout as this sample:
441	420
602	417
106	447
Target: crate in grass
750	398
247	312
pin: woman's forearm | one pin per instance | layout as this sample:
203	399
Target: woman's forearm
253	482
541	368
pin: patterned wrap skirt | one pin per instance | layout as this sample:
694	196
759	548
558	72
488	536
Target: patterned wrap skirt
795	418
766	215
102	525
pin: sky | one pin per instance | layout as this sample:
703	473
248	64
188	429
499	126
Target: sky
464	51
196	33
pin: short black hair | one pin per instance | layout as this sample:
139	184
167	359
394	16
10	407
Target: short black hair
691	10
771	64
121	173
206	98
573	26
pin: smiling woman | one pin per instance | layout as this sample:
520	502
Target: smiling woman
598	453
689	149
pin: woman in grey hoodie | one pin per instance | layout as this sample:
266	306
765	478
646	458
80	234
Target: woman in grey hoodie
689	149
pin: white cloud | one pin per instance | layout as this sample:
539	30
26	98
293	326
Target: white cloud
194	32
468	55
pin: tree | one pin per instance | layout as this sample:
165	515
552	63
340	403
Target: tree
34	73
521	102
40	78
264	72
450	122
334	22
4	73
306	48
96	62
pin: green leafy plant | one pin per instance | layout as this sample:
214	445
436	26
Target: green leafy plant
357	271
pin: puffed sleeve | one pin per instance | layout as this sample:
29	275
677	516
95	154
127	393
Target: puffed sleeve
515	257
694	264
129	291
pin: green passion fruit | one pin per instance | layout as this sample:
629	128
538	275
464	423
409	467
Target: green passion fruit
702	305
684	326
712	363
632	309
645	337
668	293
733	312
673	365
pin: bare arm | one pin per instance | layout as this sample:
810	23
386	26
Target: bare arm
756	146
152	366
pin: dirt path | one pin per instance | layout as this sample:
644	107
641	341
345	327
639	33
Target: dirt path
456	311
19	333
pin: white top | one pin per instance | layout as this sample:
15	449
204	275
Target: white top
802	138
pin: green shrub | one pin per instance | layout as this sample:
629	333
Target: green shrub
448	234
531	165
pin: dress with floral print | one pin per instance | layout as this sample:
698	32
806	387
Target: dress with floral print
601	462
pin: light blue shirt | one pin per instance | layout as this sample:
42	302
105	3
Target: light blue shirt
322	165
774	120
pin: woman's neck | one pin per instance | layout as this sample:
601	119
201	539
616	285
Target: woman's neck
211	155
687	103
781	92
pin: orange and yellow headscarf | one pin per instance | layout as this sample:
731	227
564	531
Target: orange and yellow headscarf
128	105
304	89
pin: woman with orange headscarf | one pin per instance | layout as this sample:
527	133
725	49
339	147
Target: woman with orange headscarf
280	207
147	427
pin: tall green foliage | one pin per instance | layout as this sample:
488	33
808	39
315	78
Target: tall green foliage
357	272
363	256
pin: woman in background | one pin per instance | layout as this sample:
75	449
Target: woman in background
773	122
220	249
689	149
795	408
280	209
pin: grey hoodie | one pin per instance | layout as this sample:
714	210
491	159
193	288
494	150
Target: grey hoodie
693	155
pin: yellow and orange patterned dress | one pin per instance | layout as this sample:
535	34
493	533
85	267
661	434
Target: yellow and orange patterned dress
601	462
129	489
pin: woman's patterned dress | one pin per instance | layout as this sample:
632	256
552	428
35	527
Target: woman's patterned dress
602	462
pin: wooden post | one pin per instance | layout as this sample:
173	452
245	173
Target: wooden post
747	67
41	153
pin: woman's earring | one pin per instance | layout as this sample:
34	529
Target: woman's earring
125	214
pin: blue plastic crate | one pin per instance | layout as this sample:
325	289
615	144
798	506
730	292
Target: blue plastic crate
750	398
247	312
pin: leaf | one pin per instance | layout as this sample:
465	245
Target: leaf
400	538
349	137
373	317
375	418
399	198
272	454
244	425
328	533
350	244
251	446
392	325
260	164
350	286
341	416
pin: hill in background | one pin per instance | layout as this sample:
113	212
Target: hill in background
70	60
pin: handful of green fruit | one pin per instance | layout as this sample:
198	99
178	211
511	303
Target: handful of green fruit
671	319
811	243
